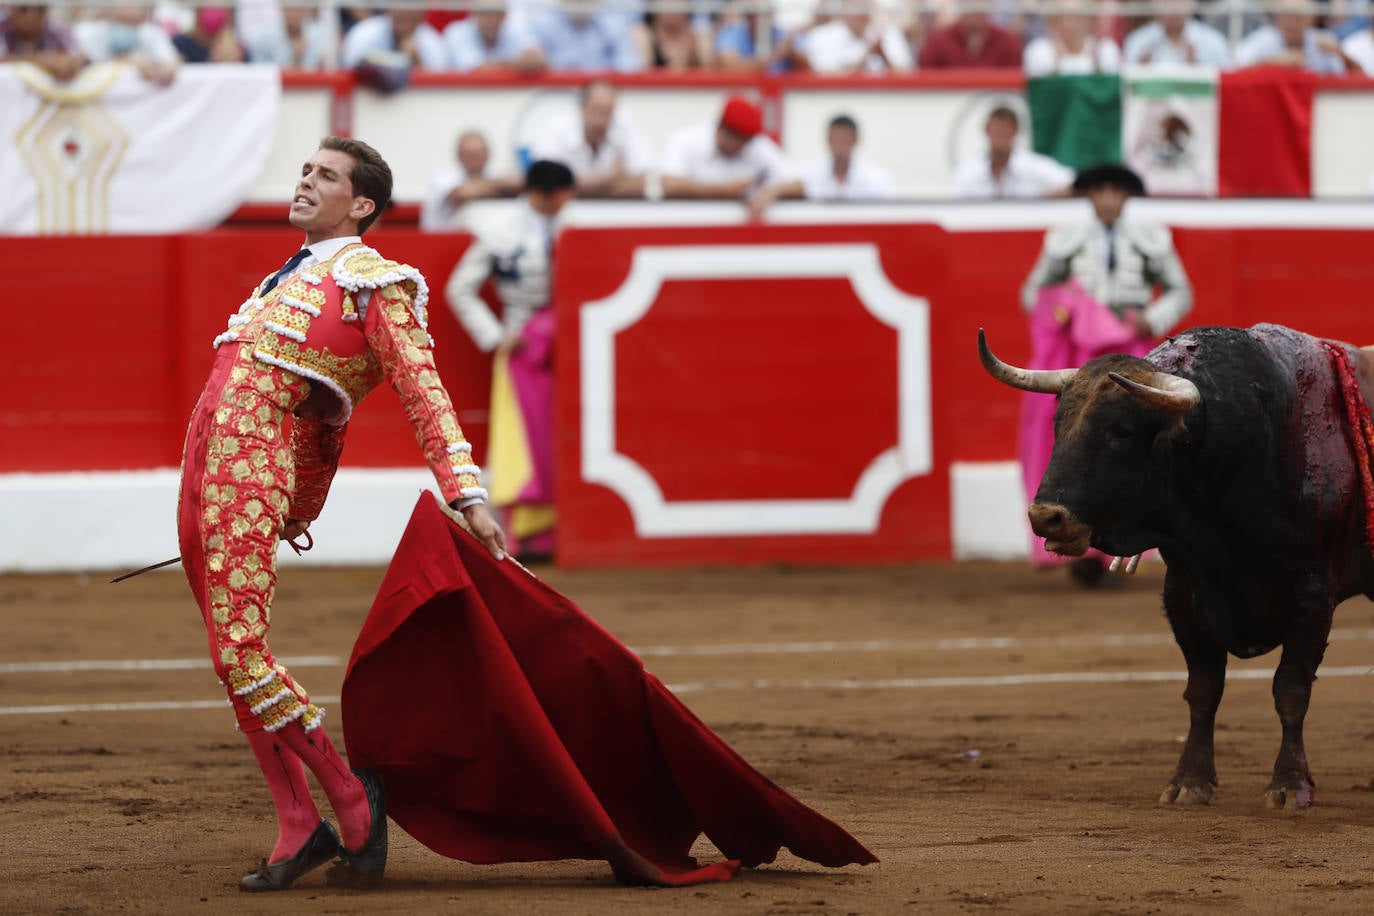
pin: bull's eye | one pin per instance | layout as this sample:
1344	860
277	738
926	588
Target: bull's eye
1117	432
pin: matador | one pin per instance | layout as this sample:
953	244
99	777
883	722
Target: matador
263	444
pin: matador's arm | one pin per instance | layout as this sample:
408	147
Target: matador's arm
315	449
405	351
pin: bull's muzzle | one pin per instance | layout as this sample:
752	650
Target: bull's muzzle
1063	532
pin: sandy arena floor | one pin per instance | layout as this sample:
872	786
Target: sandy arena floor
1004	791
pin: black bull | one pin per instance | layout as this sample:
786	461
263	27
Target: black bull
1229	451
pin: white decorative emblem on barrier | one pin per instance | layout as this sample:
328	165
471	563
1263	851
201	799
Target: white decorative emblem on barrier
654	516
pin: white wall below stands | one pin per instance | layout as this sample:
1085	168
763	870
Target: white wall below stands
125	520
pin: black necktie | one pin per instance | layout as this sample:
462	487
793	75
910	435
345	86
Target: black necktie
291	264
1111	249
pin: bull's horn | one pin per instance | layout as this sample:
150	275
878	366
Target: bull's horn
1165	391
1049	381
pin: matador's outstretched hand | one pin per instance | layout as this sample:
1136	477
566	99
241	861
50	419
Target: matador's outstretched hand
485	529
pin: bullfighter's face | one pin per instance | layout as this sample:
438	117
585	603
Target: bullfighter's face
324	204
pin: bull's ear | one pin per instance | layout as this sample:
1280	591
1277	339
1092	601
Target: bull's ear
1168	441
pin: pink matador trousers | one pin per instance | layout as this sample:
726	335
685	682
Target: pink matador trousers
237	479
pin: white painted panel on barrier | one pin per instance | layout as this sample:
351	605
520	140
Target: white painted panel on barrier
302	119
988	510
1342	156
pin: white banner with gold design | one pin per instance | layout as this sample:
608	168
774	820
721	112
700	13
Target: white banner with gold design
111	152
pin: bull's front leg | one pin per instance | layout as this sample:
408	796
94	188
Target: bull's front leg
1292	786
1195	777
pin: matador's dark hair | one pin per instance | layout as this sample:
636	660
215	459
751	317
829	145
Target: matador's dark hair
371	176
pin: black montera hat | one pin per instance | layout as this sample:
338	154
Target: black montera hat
546	175
1109	174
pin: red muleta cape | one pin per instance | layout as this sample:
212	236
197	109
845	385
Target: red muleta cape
510	727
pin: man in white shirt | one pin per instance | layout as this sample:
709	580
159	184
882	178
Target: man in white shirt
126	33
403	31
858	42
608	156
1292	39
1358	50
730	160
490	39
1007	170
464	180
298	38
1173	37
846	174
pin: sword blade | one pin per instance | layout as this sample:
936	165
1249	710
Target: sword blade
139	572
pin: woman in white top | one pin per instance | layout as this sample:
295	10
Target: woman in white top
1071	48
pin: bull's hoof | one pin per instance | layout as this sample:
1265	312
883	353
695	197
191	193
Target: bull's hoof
1290	798
1176	793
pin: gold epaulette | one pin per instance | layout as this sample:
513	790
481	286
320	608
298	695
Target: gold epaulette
363	268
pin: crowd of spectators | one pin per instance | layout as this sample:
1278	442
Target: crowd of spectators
823	36
727	158
731	157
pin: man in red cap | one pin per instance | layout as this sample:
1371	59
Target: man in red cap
730	160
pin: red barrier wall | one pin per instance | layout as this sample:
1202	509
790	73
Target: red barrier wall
110	345
715	380
751	389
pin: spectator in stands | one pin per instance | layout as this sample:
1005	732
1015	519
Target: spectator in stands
298	40
125	33
735	47
350	15
1174	37
465	180
211	39
518	251
858	40
1358	50
673	41
607	154
844	173
402	31
1070	47
1007	169
1291	39
732	159
1348	17
574	38
972	41
491	39
26	34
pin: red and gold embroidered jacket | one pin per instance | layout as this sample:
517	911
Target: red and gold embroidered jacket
311	325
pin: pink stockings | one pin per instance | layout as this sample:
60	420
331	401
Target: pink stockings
284	756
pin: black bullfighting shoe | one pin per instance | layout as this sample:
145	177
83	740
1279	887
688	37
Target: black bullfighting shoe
322	846
369	862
